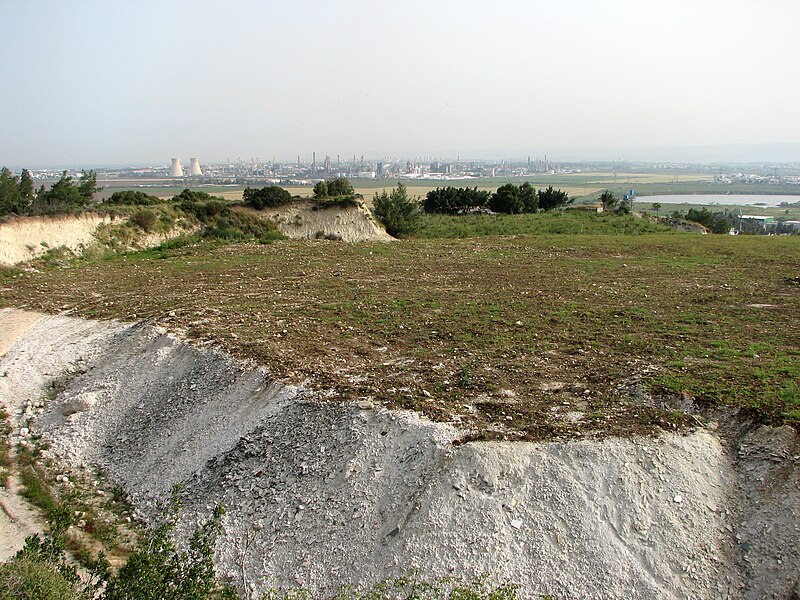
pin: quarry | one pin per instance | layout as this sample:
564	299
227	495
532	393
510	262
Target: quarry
365	411
320	494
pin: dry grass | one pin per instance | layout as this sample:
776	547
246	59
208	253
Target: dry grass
522	337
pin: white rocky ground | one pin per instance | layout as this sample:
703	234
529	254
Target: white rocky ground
324	494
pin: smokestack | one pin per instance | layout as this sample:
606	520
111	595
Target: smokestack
194	167
176	170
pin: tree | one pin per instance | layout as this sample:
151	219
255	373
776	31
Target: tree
529	196
550	199
453	201
609	200
399	213
271	195
26	187
63	194
10	198
321	189
88	186
340	186
507	199
717	222
656	207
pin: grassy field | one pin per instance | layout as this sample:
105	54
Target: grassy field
525	337
464	226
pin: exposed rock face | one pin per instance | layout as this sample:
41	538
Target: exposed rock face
24	238
326	494
304	220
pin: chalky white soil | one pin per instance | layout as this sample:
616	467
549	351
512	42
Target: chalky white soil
324	494
24	238
300	220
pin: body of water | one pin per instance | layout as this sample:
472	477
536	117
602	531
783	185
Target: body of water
724	199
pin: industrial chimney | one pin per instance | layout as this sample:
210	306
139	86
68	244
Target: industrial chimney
176	170
194	167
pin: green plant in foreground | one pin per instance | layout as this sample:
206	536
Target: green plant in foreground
158	570
399	213
41	569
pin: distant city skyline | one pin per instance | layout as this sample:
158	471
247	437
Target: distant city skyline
95	83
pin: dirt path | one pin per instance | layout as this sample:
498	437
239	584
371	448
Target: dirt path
14	323
18	519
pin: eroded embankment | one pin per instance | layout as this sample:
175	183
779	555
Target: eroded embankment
24	238
309	221
325	494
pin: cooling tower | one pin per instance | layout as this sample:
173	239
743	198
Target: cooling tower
194	167
176	170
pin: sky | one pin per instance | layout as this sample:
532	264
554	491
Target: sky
93	83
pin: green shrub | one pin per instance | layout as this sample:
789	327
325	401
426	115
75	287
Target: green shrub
145	219
28	576
133	198
399	213
266	197
332	188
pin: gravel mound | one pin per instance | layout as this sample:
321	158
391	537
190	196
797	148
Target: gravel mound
322	494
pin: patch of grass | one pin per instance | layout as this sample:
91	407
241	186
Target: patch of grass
561	223
29	577
37	489
6	456
716	315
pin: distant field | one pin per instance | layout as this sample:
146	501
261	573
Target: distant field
581	186
523	331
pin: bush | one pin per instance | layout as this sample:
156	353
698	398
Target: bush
266	197
331	188
157	569
145	219
133	198
28	577
399	213
452	201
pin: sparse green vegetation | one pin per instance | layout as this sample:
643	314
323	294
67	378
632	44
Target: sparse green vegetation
266	197
476	225
6	458
592	308
133	198
399	213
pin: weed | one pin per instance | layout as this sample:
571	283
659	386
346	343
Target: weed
6	457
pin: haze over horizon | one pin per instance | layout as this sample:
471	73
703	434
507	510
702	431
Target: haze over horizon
95	83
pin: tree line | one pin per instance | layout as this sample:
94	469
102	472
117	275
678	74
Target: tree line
508	199
19	196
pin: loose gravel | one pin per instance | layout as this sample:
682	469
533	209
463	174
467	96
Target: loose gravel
323	494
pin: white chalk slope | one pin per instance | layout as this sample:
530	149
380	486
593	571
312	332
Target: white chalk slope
324	494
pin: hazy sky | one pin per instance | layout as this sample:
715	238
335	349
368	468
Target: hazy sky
111	82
